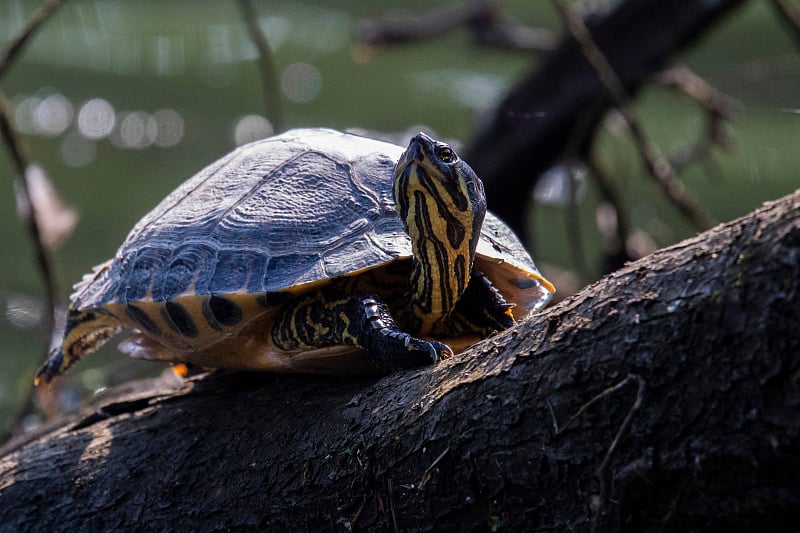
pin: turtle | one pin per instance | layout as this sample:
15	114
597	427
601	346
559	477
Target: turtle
313	251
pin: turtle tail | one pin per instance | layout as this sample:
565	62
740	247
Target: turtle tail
51	367
86	331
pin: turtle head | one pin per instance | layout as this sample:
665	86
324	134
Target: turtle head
442	205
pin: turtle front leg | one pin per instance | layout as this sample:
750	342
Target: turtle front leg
482	309
326	318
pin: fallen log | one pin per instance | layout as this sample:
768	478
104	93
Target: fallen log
664	397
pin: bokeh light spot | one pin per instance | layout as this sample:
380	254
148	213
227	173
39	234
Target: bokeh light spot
134	131
169	128
53	115
96	119
23	115
301	82
251	128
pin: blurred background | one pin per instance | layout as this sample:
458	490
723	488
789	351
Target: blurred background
119	102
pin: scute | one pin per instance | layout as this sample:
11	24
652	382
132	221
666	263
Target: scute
235	268
145	274
189	261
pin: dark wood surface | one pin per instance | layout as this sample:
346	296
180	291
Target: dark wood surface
662	398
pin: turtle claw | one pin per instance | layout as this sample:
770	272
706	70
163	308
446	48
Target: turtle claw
426	352
396	349
441	351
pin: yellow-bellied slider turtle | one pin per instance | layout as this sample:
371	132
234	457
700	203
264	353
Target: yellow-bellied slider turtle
311	251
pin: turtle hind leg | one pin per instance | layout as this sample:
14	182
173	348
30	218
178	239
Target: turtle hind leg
84	333
327	317
482	309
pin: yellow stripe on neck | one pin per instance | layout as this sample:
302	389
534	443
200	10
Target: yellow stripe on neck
441	234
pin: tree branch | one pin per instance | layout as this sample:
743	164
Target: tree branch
30	213
657	165
529	129
8	54
15	45
41	253
707	328
489	26
269	76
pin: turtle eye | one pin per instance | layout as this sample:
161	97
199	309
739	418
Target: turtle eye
445	153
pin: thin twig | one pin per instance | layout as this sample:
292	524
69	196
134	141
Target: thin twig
8	54
576	247
719	109
12	142
711	99
426	476
42	255
14	45
656	164
790	15
358	512
602	473
617	254
556	430
269	75
587	405
390	491
700	150
573	150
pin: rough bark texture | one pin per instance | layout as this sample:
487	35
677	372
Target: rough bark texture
560	103
665	397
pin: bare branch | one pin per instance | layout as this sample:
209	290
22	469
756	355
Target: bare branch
617	254
8	55
576	248
709	98
42	255
667	444
719	109
656	164
269	76
489	26
13	144
526	133
14	45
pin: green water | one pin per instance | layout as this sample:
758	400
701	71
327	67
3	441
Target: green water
196	59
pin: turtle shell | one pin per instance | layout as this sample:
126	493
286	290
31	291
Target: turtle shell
272	219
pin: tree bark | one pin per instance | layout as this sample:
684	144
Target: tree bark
662	398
